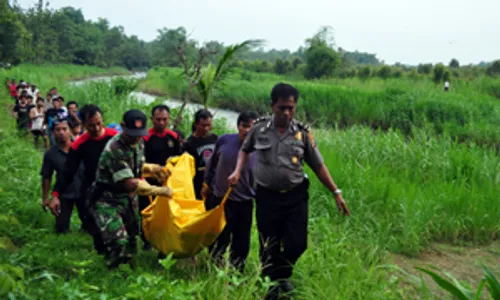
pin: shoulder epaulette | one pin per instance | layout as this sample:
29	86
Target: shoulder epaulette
303	126
261	119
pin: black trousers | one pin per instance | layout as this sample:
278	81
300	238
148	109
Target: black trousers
282	224
236	234
63	221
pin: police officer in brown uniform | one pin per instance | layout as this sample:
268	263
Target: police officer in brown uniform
282	144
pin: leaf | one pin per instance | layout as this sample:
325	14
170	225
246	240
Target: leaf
493	284
445	284
480	289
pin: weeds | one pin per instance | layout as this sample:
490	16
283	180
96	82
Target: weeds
403	193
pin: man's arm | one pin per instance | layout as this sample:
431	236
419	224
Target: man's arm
212	165
242	161
314	159
46	172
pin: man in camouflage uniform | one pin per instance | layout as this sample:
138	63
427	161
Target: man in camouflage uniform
118	180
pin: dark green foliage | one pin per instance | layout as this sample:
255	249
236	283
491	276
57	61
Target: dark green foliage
438	73
424	68
494	69
321	58
384	72
364	72
454	64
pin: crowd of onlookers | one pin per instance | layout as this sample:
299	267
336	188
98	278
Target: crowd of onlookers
36	114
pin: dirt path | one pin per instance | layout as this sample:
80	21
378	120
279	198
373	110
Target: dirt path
464	263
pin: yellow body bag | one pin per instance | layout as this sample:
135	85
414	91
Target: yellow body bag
181	225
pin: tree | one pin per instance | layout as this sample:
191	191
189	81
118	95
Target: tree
13	35
365	72
384	72
212	75
321	58
438	72
281	66
454	64
494	69
447	75
424	68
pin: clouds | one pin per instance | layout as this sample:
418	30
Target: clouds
396	30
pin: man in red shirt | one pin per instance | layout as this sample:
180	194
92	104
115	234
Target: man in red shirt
85	150
13	89
160	144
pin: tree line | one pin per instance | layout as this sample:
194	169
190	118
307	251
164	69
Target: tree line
40	34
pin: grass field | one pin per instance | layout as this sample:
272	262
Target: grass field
405	195
469	112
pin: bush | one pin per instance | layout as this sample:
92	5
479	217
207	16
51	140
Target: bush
384	72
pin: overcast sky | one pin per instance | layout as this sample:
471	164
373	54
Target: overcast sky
406	31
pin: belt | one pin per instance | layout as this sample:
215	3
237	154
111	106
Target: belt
303	185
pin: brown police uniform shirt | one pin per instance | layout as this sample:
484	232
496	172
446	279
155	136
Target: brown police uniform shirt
279	163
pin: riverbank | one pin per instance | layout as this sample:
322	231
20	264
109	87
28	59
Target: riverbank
404	196
469	112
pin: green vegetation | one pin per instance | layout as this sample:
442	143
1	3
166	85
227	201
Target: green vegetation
404	194
470	112
455	288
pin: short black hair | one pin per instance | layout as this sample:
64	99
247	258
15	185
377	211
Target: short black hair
39	99
74	123
59	121
202	114
284	91
246	117
88	111
71	103
159	107
29	96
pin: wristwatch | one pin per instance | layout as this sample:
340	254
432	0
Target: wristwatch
337	192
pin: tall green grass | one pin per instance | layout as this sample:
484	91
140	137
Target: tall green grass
470	112
403	193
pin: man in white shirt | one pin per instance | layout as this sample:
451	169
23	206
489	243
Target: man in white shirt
446	86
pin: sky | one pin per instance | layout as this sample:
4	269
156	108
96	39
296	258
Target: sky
405	31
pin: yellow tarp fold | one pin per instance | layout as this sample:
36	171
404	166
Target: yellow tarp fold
181	225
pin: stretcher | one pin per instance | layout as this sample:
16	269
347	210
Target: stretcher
180	224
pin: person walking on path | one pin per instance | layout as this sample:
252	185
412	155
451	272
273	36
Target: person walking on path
239	207
282	145
53	161
85	150
201	145
37	115
160	144
113	200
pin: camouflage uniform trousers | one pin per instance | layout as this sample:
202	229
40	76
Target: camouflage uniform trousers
119	227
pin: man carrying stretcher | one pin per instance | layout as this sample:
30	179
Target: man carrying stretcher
119	179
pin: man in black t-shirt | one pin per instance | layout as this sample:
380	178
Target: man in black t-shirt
21	114
159	145
53	161
86	150
201	145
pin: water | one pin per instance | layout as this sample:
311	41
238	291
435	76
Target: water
229	116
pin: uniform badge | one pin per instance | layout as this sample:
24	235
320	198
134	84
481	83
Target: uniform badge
138	123
170	144
295	159
298	136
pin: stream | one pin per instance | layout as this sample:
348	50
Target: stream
229	115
